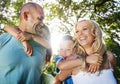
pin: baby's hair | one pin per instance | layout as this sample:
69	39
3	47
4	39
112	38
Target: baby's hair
67	37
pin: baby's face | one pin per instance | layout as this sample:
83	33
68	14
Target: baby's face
66	48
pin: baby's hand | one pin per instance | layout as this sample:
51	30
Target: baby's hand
94	58
22	36
28	48
95	61
57	81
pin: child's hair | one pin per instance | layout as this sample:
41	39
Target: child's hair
67	37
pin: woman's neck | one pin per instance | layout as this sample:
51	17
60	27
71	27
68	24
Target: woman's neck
89	50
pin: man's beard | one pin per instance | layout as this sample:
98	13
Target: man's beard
40	30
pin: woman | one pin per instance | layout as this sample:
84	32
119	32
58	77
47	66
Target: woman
88	41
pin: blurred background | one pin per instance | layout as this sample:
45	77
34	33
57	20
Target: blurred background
61	15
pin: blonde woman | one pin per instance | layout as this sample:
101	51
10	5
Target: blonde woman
88	41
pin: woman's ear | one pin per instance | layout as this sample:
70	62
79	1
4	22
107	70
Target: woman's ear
25	15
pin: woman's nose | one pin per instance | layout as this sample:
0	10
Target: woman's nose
79	33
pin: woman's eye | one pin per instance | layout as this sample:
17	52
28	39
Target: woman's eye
76	31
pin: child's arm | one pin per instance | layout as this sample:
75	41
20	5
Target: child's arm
28	48
41	41
23	36
57	80
12	30
16	32
112	59
70	64
65	74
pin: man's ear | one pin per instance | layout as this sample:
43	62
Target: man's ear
25	15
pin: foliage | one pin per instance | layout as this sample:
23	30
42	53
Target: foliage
51	68
9	12
67	12
105	12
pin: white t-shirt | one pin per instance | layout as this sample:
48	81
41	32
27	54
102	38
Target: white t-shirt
105	77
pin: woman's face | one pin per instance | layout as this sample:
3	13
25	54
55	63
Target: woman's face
83	34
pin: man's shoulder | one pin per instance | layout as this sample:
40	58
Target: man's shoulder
4	38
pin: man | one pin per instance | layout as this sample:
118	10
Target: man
16	67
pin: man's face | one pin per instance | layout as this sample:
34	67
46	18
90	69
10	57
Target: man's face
35	17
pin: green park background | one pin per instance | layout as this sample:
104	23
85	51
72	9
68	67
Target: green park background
62	15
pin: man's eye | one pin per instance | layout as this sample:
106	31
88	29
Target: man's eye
85	28
39	19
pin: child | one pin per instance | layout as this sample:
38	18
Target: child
66	53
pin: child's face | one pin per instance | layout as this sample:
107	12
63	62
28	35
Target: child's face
66	48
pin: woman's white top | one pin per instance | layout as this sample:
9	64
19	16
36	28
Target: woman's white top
104	77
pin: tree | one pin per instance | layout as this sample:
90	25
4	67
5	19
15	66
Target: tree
9	12
66	12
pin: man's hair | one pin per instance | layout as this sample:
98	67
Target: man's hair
29	7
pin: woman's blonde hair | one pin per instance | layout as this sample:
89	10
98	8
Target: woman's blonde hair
98	45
